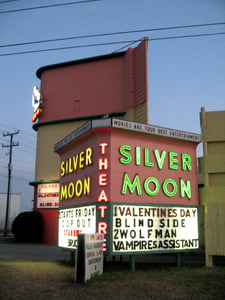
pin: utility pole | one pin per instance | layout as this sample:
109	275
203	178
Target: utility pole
10	146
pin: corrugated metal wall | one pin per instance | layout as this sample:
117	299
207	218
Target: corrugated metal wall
215	229
141	82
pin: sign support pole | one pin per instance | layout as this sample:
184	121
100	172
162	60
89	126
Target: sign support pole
178	259
132	263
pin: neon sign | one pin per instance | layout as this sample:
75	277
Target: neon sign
151	185
103	182
154	228
143	189
36	103
79	187
83	220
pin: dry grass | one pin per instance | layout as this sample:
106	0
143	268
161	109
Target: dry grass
22	279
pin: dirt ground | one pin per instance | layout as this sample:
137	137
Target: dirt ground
22	279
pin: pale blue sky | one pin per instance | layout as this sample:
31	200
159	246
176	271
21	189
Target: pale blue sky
184	74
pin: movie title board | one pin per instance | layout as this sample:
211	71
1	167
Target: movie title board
139	229
48	195
73	221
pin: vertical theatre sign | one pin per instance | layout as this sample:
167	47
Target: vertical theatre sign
134	183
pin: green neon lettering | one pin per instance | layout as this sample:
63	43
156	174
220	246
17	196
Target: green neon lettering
165	187
160	158
138	156
173	160
147	162
148	190
127	155
185	188
132	186
186	162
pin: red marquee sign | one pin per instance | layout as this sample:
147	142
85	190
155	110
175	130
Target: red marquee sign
141	187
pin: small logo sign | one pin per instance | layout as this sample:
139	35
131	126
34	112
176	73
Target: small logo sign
36	103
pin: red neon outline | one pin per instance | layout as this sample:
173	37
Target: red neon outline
36	114
104	245
102	181
102	196
102	210
103	165
102	227
103	146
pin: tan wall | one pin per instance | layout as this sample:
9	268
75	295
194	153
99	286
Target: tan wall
212	195
47	162
139	114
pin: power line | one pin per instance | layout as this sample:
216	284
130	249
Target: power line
25	135
28	144
173	37
16	177
128	45
111	43
30	152
64	48
46	6
186	36
111	33
8	1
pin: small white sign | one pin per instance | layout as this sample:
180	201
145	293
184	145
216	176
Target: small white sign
89	258
36	98
48	195
156	130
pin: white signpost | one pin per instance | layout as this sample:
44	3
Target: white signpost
89	256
